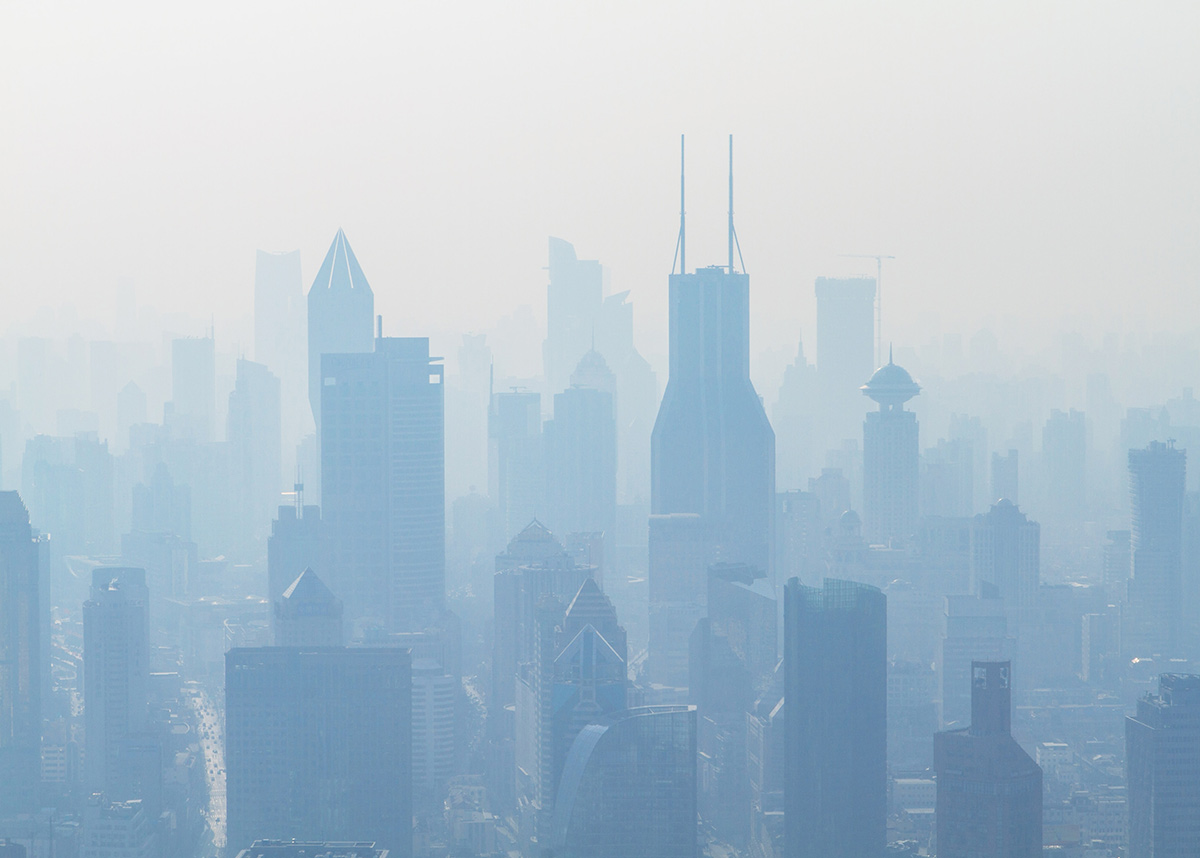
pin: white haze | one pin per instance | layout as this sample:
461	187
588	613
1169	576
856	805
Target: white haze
1019	159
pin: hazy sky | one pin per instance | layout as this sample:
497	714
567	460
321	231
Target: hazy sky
1016	158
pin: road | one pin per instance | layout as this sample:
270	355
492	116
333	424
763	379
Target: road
212	743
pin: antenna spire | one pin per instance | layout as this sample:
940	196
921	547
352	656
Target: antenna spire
681	242
730	203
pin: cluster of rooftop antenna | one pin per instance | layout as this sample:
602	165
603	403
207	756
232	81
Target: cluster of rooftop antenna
681	243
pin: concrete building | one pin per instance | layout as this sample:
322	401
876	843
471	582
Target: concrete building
319	745
1006	554
116	674
433	698
891	459
193	407
516	459
629	787
835	747
307	614
1152	620
574	298
312	849
974	629
383	482
24	642
254	431
1162	752
297	542
341	314
120	829
989	791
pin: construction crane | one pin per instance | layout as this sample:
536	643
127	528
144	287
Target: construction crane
878	257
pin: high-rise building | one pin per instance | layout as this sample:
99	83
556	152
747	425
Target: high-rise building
581	463
278	308
383	475
891	458
24	621
1156	485
975	629
795	418
308	614
341	310
433	716
989	791
193	407
116	829
116	672
297	542
516	459
845	350
1006	553
629	787
712	450
835	747
1005	477
1064	464
573	301
255	437
1162	764
319	745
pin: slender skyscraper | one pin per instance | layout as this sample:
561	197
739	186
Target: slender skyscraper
989	791
383	469
21	629
1162	753
516	459
1006	554
1156	484
194	387
891	458
573	301
835	747
845	351
254	434
712	452
341	314
116	671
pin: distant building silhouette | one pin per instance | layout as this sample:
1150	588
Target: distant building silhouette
1156	484
989	791
254	432
712	455
1162	752
975	628
795	418
193	406
516	459
383	476
835	747
308	614
581	457
24	639
1005	483
573	301
845	351
1064	464
297	542
629	787
116	676
341	314
319	746
891	458
1006	554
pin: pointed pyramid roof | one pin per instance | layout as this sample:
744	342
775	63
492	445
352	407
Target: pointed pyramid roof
590	603
341	270
308	588
535	531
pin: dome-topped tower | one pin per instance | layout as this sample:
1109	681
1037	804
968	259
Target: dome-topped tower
891	386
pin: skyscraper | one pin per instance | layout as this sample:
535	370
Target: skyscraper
1064	464
581	463
516	459
573	300
629	787
383	469
116	671
255	438
341	310
278	308
712	448
319	745
845	350
1006	553
22	621
307	614
835	747
1162	752
989	791
1156	486
975	628
297	542
891	458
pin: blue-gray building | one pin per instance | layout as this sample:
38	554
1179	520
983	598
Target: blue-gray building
383	482
628	788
